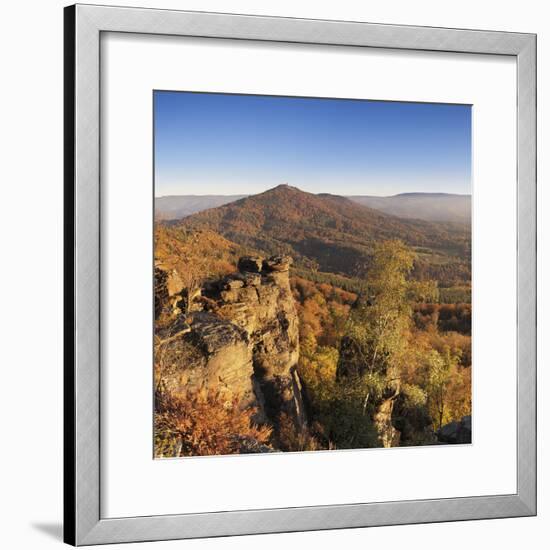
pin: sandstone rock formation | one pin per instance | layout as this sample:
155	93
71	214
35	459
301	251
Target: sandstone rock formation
388	435
242	342
168	291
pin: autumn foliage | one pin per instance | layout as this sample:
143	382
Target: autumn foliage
205	424
384	309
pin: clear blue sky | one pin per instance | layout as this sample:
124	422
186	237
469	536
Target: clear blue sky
221	144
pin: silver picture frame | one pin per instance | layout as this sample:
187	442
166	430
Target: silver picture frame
83	524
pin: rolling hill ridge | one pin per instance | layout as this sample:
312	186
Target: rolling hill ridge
326	232
439	207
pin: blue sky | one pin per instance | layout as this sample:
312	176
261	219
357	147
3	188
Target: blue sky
222	144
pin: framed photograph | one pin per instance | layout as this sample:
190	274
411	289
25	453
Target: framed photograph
300	274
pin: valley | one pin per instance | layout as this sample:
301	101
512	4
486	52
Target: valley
368	313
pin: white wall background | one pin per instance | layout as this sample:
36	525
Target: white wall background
31	274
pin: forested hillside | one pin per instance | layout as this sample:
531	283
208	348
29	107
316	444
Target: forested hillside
382	316
332	234
441	207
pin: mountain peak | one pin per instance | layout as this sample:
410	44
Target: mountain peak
331	230
282	187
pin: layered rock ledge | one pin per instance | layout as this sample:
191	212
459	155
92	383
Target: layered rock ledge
239	338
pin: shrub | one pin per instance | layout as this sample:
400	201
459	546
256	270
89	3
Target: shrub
292	438
205	423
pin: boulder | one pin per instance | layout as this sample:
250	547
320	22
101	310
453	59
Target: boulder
456	432
212	354
277	263
233	284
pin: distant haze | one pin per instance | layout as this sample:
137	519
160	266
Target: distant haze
438	207
177	207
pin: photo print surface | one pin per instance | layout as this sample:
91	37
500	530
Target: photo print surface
312	274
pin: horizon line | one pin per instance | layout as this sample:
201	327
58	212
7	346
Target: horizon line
322	193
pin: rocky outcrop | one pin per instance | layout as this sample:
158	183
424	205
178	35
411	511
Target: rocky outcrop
169	291
242	342
388	435
208	353
456	432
